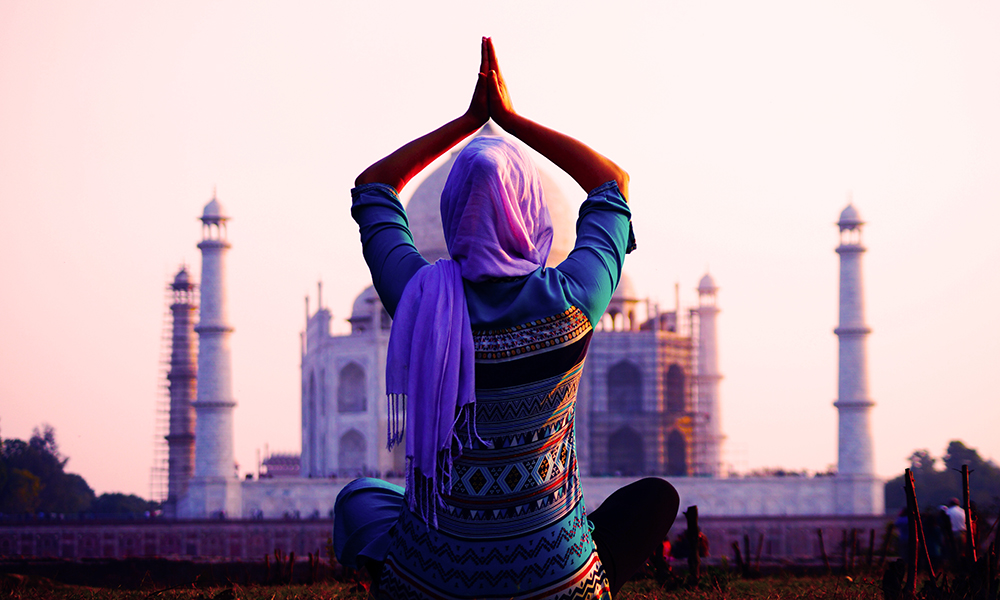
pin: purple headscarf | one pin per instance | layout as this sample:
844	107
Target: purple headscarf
496	225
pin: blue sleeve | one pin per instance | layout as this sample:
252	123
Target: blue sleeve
386	241
603	238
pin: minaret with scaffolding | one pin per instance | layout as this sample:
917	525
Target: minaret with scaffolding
182	379
214	490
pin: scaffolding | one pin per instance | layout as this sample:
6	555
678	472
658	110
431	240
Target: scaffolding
159	471
699	417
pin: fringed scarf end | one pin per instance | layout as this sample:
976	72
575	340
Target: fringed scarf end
396	421
422	496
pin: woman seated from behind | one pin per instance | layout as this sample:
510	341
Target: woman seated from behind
484	361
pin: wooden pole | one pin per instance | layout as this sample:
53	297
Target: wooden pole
760	546
822	551
853	550
910	589
739	559
694	557
885	544
912	491
843	551
871	545
970	532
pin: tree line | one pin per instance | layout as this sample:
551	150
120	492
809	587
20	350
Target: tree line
33	480
935	486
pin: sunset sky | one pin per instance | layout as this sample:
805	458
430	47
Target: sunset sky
744	127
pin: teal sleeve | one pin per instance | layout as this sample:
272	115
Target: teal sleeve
603	238
386	241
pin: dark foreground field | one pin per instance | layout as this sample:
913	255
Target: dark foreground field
159	579
772	588
145	580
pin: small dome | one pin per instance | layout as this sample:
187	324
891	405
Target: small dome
182	280
424	212
364	305
625	289
849	218
213	210
707	284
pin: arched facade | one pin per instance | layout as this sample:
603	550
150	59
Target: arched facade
349	373
637	389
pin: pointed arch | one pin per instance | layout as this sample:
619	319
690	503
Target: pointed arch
351	396
314	426
351	454
674	386
626	452
676	454
625	387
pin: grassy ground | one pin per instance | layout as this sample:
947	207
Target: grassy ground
714	587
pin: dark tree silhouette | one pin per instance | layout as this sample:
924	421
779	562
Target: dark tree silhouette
36	480
936	486
116	504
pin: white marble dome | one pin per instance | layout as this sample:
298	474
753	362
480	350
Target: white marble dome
213	210
625	289
364	305
850	218
707	284
182	280
424	213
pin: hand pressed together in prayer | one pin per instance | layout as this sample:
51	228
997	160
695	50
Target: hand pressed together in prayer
490	99
501	107
479	108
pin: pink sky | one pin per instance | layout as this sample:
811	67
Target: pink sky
743	126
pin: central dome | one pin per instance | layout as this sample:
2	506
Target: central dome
424	213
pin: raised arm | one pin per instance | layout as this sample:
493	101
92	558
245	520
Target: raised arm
585	165
399	167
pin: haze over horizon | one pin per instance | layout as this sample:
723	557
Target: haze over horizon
743	127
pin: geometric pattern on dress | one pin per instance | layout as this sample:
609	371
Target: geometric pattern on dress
558	562
543	335
513	514
589	584
527	477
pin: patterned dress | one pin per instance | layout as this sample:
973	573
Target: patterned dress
514	524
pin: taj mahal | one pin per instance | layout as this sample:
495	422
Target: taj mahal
648	402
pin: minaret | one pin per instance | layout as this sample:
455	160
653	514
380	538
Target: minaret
181	378
710	415
855	459
215	489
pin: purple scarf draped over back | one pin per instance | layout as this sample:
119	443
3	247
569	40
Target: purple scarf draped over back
496	225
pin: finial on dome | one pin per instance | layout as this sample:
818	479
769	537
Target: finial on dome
213	210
